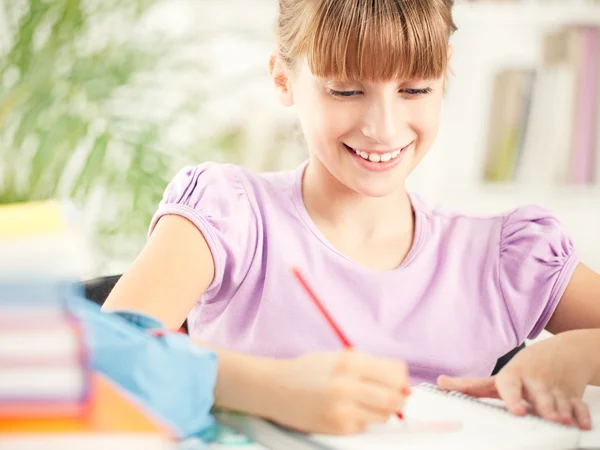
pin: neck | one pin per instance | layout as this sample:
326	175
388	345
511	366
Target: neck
367	217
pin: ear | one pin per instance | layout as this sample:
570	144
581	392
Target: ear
449	60
280	75
448	66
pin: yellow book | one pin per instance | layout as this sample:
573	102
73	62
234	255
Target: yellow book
28	219
508	121
42	239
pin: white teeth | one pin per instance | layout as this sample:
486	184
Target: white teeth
376	157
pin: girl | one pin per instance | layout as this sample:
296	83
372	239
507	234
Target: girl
410	285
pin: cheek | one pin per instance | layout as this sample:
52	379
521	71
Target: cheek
426	118
323	121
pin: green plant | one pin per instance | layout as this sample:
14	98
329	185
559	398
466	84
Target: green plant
70	76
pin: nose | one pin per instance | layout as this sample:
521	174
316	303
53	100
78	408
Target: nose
380	121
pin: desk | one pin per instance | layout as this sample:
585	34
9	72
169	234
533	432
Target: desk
590	439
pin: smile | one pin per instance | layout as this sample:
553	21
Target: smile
376	156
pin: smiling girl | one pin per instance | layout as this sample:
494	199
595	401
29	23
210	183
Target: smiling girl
412	286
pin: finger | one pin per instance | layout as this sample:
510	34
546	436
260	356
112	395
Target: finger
510	390
369	416
389	372
581	413
350	418
379	398
343	417
541	399
564	408
476	387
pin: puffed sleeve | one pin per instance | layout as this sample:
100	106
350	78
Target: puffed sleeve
537	259
214	198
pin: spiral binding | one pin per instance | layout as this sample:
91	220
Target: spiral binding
459	395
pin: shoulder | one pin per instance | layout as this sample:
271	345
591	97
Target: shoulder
227	197
445	218
533	232
210	195
517	232
213	184
208	177
527	218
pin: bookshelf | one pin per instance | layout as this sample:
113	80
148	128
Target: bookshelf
493	36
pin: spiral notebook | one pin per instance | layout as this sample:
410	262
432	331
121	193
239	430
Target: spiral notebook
434	419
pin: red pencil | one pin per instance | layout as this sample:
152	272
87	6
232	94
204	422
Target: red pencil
343	339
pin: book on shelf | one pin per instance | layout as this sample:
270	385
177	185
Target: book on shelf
509	119
544	122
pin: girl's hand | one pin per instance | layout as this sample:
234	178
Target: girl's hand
550	375
338	392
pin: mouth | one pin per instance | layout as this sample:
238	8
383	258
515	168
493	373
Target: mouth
376	157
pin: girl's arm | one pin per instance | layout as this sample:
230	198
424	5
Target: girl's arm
336	392
169	275
165	281
579	306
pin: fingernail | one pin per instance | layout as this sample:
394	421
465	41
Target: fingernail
519	410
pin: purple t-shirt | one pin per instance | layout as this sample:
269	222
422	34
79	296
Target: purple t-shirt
469	290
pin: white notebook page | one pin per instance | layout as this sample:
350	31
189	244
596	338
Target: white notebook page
471	424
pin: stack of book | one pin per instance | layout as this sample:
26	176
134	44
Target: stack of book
43	360
544	123
49	395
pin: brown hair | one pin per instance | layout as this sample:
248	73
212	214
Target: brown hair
377	40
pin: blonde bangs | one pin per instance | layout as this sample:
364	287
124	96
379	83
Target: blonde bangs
377	40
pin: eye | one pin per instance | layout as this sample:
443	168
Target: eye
415	92
342	93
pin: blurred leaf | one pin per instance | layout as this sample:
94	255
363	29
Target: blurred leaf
30	117
79	118
94	162
21	54
61	158
41	164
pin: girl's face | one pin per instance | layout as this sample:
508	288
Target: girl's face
368	135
